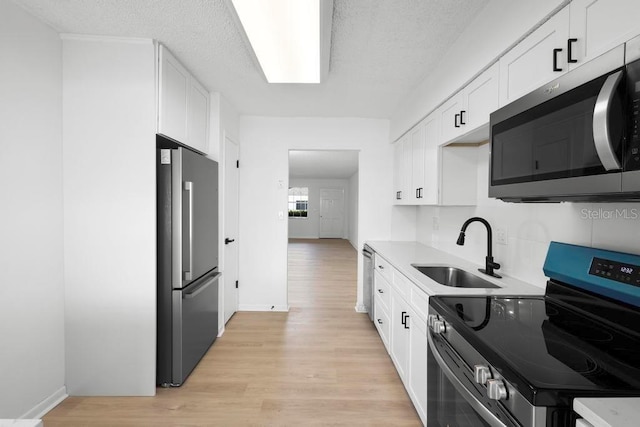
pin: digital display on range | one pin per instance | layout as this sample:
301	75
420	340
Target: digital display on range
613	270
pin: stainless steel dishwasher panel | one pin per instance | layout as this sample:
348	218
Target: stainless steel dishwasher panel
367	281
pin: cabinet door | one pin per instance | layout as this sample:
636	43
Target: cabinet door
430	160
600	25
530	64
481	98
417	165
450	115
174	90
399	194
417	381
399	335
198	117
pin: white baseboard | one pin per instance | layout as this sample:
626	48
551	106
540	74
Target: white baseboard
220	332
41	409
260	307
360	308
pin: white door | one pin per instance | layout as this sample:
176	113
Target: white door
331	213
230	228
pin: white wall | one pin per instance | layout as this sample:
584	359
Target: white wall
354	184
309	227
31	246
530	228
265	156
109	124
496	28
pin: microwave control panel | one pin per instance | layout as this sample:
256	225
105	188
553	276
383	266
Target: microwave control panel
632	158
614	270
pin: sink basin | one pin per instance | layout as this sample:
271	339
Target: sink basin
452	276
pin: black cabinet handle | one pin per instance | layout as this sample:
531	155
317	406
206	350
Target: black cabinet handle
380	321
555	59
402	316
228	240
398	195
455	120
406	323
417	193
380	291
381	267
462	122
420	193
570	43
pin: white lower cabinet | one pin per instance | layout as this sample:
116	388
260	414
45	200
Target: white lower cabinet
417	381
381	303
401	322
399	335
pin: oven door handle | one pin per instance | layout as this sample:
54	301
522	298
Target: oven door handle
491	419
601	131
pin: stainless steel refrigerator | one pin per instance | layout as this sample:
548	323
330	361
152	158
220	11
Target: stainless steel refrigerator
187	260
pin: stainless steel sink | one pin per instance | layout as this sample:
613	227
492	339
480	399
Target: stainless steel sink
452	276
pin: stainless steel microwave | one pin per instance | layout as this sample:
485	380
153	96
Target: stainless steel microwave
574	139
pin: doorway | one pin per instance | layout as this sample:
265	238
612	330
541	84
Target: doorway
323	199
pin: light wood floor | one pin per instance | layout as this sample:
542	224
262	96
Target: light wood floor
320	364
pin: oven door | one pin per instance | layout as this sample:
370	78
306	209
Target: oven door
453	399
564	140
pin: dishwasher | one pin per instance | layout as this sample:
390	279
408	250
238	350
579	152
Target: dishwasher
367	281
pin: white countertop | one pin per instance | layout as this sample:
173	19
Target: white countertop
402	254
20	423
609	411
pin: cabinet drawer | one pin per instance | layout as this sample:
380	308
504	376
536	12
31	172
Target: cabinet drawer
402	284
419	302
382	289
384	268
381	320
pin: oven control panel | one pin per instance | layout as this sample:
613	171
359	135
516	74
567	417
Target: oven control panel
614	270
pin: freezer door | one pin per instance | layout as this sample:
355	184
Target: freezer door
195	324
195	216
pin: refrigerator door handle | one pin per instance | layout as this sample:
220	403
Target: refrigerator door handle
188	274
202	287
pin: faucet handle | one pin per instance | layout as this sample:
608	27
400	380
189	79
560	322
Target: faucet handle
495	265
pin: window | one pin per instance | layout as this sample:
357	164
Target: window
298	202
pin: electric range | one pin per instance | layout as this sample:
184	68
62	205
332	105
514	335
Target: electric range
520	361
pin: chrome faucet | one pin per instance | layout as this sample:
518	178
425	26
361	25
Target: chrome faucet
489	265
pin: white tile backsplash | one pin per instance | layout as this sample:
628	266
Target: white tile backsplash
530	228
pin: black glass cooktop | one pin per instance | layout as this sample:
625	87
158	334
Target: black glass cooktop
549	350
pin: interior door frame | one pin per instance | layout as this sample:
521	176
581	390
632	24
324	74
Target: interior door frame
228	282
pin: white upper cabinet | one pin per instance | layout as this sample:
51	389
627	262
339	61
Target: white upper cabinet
434	174
470	108
183	112
481	98
429	186
399	172
174	91
198	117
538	59
599	25
417	165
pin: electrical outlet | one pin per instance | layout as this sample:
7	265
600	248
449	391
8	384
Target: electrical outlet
502	236
436	223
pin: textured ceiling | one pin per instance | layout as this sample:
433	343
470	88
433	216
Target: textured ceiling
381	49
326	164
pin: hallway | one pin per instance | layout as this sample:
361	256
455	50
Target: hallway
319	364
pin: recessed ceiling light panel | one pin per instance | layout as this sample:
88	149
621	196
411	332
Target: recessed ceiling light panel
285	36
